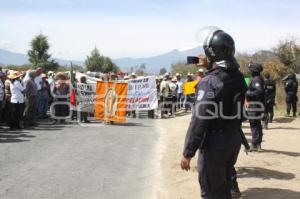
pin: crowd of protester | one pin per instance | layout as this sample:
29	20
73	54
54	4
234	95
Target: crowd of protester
26	97
171	93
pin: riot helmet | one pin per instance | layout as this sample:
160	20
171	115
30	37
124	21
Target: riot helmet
255	68
217	44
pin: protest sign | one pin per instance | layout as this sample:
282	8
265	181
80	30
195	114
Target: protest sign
142	94
189	88
85	97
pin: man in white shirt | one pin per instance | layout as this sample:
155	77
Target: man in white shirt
17	100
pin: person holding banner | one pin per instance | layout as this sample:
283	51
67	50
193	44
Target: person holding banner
83	114
190	96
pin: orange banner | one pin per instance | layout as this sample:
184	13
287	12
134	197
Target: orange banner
110	101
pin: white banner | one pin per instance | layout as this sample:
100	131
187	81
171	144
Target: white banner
142	94
85	97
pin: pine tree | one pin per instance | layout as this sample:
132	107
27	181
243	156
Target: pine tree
95	61
98	63
38	54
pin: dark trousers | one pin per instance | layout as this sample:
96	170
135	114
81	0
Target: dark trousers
215	172
17	110
166	105
256	130
62	110
269	114
7	112
30	110
291	106
189	102
83	116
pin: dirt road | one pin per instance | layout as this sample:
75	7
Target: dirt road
271	174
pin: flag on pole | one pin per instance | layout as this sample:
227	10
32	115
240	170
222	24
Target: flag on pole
72	85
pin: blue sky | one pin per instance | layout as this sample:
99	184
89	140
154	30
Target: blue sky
141	28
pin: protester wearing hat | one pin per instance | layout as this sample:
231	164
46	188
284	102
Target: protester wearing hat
190	98
17	100
30	100
50	78
44	97
173	89
180	96
200	74
164	95
133	76
126	77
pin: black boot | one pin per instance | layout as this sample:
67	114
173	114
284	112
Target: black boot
235	191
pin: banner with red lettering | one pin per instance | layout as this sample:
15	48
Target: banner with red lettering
142	94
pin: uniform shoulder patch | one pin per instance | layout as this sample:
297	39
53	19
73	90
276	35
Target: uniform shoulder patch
200	95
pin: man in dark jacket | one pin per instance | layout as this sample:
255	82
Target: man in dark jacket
291	89
270	94
30	100
256	105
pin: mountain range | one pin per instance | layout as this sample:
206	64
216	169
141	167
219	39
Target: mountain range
153	64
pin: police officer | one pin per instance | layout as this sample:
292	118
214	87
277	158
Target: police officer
256	99
291	89
215	124
270	94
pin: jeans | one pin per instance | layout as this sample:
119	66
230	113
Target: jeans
42	107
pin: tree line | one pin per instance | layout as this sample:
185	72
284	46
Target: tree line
279	61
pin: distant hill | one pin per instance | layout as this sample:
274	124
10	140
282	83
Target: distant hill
7	57
153	64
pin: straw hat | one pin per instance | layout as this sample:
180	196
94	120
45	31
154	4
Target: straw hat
201	70
44	75
61	76
14	75
174	79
